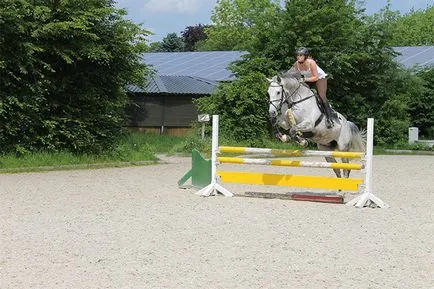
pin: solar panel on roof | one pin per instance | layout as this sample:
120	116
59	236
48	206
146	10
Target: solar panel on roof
199	72
411	56
211	65
175	85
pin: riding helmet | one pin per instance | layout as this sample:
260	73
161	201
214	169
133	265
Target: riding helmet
302	51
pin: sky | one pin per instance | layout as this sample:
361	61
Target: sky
168	16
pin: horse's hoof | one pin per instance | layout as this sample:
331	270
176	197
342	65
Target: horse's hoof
284	138
303	143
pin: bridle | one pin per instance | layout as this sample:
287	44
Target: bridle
286	98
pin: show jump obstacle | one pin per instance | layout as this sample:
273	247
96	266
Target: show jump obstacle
317	182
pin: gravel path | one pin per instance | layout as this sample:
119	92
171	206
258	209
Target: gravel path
133	228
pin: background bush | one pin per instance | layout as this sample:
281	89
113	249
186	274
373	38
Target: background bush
63	69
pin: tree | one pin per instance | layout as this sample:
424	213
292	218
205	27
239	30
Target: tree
192	36
412	88
237	24
154	46
170	43
414	29
352	49
241	108
64	66
421	104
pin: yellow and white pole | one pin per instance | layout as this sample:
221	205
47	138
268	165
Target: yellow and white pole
279	152
290	163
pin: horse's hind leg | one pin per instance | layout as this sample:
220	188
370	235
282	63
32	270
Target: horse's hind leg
333	160
346	173
345	147
330	159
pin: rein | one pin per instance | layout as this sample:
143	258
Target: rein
297	102
286	99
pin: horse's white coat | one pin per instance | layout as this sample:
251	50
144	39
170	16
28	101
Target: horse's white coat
301	117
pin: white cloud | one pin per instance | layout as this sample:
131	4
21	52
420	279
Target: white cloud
177	6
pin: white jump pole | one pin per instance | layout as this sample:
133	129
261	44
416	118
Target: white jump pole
214	187
367	198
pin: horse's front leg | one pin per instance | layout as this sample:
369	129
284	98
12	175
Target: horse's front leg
296	135
296	132
287	122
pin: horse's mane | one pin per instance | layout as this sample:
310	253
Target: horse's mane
287	78
291	73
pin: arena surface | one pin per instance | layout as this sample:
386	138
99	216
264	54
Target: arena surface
134	228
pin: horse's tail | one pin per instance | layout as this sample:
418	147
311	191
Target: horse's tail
358	138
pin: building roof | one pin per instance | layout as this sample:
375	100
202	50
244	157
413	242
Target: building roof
412	56
175	84
200	72
188	72
212	65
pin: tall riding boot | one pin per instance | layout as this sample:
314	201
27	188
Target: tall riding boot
328	113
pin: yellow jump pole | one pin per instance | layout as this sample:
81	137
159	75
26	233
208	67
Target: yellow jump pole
290	163
277	152
315	182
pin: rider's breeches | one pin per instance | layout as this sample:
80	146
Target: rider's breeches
321	86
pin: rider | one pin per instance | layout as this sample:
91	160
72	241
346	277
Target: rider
312	74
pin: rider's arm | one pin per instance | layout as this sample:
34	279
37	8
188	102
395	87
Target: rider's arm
313	71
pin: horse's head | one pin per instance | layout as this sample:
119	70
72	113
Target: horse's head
276	96
281	88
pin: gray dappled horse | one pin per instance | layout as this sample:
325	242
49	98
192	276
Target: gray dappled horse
294	107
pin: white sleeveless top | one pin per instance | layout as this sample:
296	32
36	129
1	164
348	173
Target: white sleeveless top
308	73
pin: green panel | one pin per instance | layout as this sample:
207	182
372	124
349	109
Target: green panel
200	172
185	178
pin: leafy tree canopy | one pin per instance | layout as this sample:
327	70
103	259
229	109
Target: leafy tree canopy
193	36
413	29
352	47
237	24
64	66
171	43
421	105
